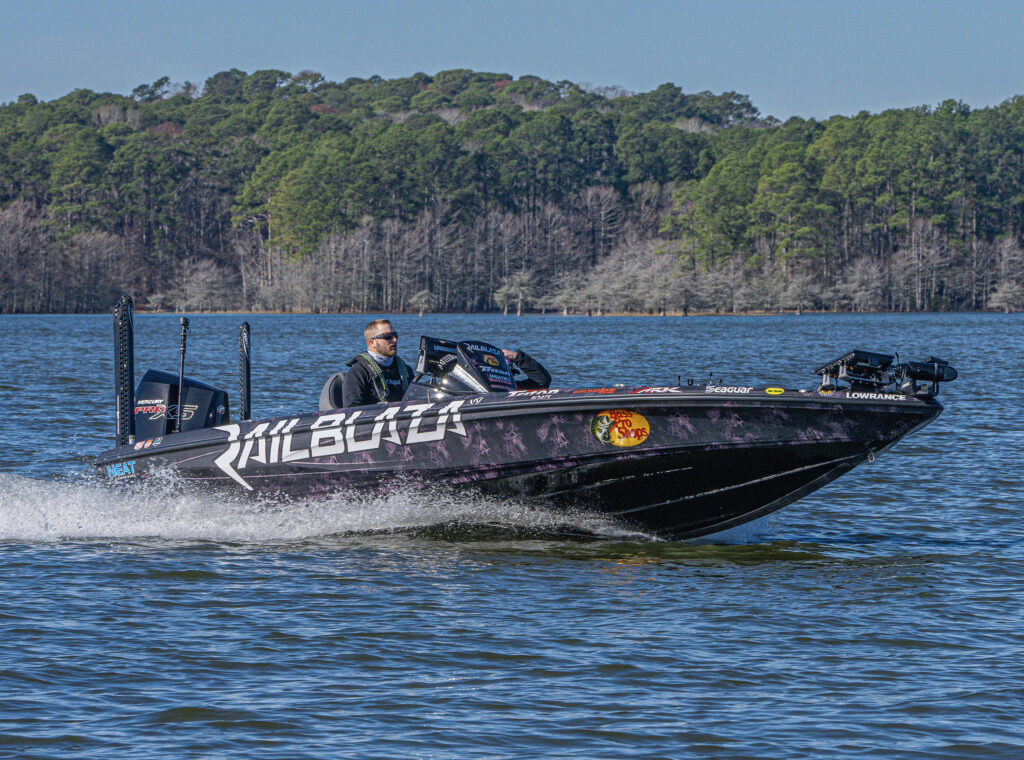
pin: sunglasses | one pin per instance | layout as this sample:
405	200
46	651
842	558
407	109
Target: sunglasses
386	336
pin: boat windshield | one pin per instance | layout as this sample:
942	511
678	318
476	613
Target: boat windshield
464	366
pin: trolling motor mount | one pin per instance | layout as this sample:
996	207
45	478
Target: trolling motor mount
861	370
871	372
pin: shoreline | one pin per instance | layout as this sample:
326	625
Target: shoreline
692	313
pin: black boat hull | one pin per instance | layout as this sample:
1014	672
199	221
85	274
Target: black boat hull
676	462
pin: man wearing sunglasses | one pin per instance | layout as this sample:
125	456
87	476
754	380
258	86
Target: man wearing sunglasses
378	375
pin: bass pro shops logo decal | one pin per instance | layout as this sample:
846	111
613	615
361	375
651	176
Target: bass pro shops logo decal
620	427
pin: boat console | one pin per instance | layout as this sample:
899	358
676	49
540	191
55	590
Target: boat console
450	368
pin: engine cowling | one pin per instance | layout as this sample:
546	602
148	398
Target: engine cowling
156	405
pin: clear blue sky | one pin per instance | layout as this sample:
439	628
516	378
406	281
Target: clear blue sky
799	57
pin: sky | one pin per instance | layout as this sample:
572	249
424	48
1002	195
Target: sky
808	58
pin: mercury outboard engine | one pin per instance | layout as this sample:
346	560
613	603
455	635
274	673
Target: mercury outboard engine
166	403
157	406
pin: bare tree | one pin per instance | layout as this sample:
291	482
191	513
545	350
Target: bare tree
801	292
1009	296
24	240
422	300
1009	292
518	288
861	287
207	286
95	272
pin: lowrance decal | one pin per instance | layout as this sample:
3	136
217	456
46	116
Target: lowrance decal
876	396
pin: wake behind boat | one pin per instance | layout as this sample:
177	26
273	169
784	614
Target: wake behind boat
677	461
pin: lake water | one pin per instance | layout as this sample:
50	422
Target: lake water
879	617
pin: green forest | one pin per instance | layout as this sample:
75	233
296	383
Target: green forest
475	191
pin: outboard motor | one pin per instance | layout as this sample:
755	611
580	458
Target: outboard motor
156	405
153	410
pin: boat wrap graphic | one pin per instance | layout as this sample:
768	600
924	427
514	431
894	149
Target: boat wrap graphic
678	461
333	434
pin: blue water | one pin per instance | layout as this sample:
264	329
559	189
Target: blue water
880	617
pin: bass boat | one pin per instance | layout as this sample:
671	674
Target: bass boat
676	461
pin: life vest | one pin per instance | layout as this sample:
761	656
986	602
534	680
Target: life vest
380	385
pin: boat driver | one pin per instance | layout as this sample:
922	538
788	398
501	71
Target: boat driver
377	375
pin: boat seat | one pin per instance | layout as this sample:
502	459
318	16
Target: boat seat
330	396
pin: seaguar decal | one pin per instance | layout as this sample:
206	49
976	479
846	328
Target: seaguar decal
332	434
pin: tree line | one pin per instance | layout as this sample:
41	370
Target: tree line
475	191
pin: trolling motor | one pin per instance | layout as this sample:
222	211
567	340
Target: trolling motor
165	403
866	371
932	370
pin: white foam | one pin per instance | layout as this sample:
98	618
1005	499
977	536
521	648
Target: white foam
55	510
